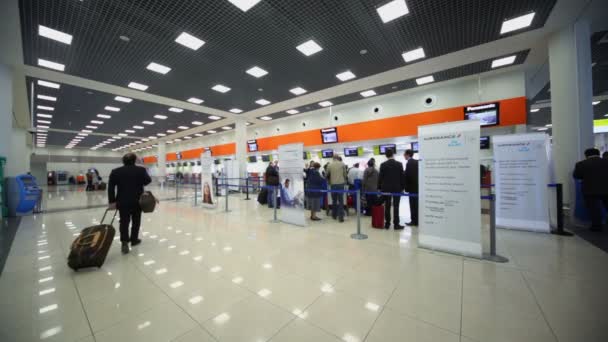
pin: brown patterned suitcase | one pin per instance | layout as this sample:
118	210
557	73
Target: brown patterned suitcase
92	245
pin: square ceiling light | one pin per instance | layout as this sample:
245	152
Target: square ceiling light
345	76
51	65
211	131
236	111
129	131
112	109
46	122
189	41
149	123
517	23
497	63
195	100
175	110
265	118
45	108
425	80
197	123
244	5
392	10
257	72
48	84
214	117
138	127
293	111
221	88
159	68
413	55
368	93
137	86
46	116
309	48
97	122
104	116
54	34
262	102
161	117
298	91
198	134
226	128
325	104
123	99
122	135
45	97
90	127
161	134
183	127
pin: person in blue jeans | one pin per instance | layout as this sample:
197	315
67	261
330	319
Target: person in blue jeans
272	179
336	176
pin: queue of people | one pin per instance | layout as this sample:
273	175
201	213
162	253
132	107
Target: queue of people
592	173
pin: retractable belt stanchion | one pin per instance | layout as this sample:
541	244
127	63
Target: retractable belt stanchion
358	235
195	193
492	256
226	207
275	205
559	201
176	191
247	189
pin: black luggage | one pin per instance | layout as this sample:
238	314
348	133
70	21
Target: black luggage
263	196
101	186
147	202
92	245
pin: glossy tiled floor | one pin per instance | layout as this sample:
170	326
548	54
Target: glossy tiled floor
204	275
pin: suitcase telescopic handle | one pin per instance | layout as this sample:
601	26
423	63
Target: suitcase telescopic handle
104	216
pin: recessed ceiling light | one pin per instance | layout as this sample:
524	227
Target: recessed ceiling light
503	61
221	88
549	125
226	128
138	127
161	134
129	131
257	72
45	108
43	122
159	68
195	100
104	116
413	55
112	109
187	137
542	129
236	111
298	91
91	127
189	40
211	131
214	117
244	5
42	126
534	110
116	137
122	135
137	86
170	131
175	110
262	102
197	123
97	122
309	48
265	118
48	84
148	122
368	93
183	127
325	104
47	116
45	97
86	131
145	139
425	80
392	10
82	134
517	23
161	117
293	111
51	65
123	99
595	103
198	134
345	76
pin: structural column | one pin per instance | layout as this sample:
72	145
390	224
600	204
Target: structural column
571	97
6	114
240	138
161	161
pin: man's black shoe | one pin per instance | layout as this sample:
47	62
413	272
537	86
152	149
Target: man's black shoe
398	227
125	248
595	229
135	242
415	224
341	219
387	226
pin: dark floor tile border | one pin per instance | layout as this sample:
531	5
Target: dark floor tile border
8	230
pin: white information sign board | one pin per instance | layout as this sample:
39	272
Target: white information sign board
450	210
208	198
291	176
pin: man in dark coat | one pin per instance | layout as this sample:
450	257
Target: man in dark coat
130	181
391	180
593	172
411	185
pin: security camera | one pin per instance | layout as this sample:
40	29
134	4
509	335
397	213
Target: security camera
429	100
377	109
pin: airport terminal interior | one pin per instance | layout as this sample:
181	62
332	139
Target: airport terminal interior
321	170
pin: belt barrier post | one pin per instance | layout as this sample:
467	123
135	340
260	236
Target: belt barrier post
195	193
226	206
217	187
559	200
358	235
492	256
247	189
275	204
176	191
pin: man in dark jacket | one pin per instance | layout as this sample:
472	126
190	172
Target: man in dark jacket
391	180
593	172
130	181
272	179
411	185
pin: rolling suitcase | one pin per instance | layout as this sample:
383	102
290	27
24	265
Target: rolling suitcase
263	196
92	245
378	216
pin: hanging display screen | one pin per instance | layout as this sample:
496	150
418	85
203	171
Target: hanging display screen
252	145
383	148
327	153
351	152
484	142
487	114
253	159
329	135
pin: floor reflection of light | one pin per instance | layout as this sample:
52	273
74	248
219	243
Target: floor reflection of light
267	266
149	262
221	318
300	313
349	338
188	234
372	306
42	243
198	258
176	284
48	308
153	236
264	292
140	254
143	325
227	249
186	252
145	233
44	257
50	332
161	271
162	240
195	300
179	231
172	246
117	285
44	280
45	268
169	228
327	288
237	280
198	239
215	269
47	291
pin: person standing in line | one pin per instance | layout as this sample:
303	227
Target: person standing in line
370	184
353	174
272	179
411	185
593	172
336	175
391	180
315	182
605	155
124	189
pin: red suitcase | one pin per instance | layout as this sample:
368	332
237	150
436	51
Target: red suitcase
378	216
